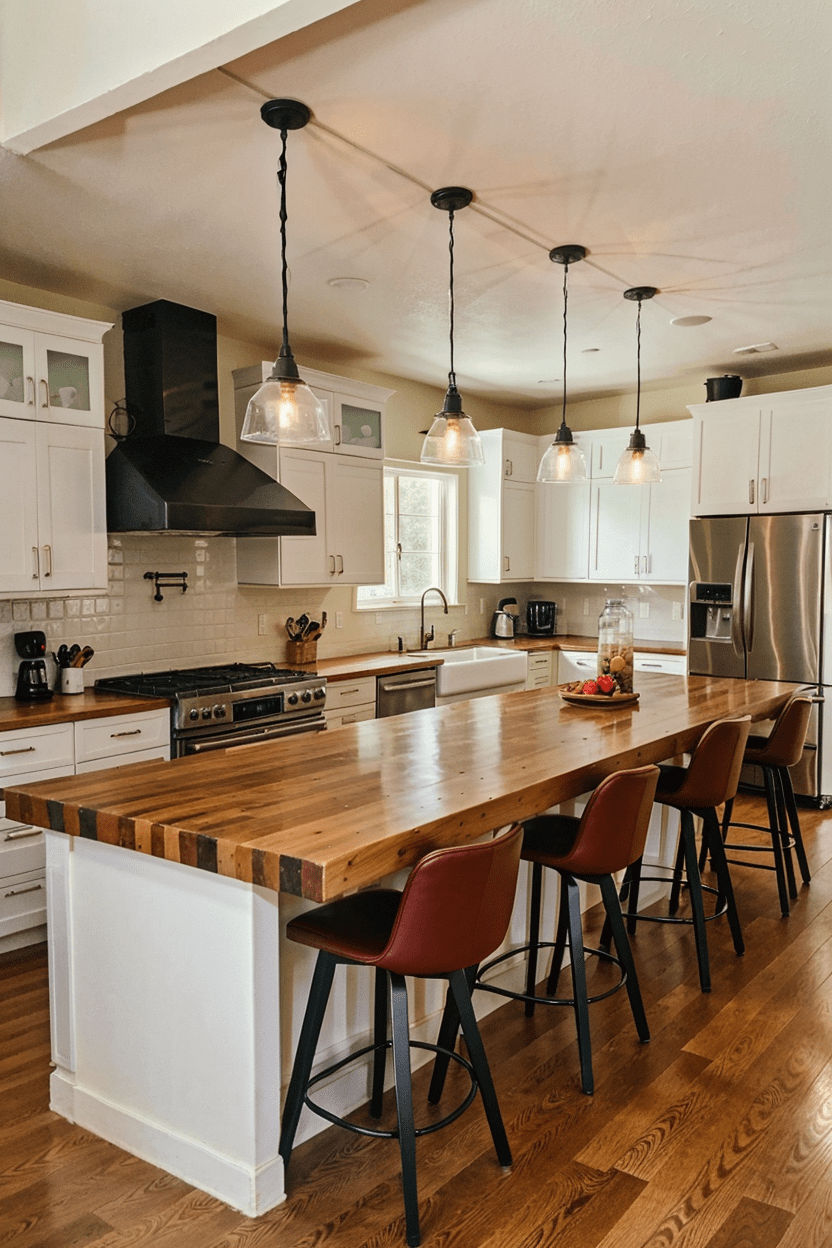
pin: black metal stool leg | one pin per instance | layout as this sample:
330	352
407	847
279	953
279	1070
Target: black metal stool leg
307	1043
560	946
404	1106
579	992
634	872
534	935
794	823
723	875
625	956
676	886
776	845
688	840
379	1039
783	832
462	995
446	1039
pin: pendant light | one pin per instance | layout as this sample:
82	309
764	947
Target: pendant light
638	465
564	460
452	438
284	409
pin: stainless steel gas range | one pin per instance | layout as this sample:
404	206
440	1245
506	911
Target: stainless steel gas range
232	704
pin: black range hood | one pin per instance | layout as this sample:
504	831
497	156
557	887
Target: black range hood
171	474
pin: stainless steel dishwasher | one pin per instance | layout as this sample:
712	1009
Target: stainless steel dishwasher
405	691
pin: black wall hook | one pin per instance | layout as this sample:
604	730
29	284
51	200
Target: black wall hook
168	580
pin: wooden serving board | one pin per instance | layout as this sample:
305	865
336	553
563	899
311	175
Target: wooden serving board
606	701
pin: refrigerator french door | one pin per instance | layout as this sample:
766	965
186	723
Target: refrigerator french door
757	607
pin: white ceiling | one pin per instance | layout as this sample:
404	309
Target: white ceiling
686	143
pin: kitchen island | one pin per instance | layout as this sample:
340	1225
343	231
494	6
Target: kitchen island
175	999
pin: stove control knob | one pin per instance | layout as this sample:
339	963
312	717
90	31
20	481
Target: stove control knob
219	712
206	712
193	713
320	693
292	699
306	696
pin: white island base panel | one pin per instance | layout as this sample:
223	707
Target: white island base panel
176	1002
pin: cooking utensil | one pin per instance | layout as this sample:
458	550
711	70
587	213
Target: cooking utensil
74	651
300	624
311	628
504	620
728	386
62	657
290	632
82	659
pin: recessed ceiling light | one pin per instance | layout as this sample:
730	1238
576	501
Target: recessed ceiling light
757	348
348	283
690	320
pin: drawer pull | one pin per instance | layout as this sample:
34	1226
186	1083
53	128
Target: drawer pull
349	691
22	834
658	665
134	732
27	749
16	892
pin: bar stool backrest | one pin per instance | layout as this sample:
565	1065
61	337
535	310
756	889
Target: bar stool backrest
613	827
785	744
455	908
714	772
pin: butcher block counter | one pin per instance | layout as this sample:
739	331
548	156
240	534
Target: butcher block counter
71	708
175	998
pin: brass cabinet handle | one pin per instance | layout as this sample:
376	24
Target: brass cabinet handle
341	569
47	550
45	402
31	383
751	490
36	564
22	834
134	732
26	749
16	892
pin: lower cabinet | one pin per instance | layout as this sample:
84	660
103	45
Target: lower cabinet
47	753
539	670
350	701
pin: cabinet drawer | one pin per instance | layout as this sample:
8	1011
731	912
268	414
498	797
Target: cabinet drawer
339	719
21	850
577	665
34	749
539	663
22	902
350	693
538	680
121	734
675	664
160	753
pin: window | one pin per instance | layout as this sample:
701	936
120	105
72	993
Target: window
420	538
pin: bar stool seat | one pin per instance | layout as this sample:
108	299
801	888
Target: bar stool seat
710	779
609	835
775	754
454	911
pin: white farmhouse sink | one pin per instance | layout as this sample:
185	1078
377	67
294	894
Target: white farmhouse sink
474	669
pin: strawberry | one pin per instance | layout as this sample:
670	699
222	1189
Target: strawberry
605	684
590	686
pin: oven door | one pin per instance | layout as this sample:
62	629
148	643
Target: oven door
183	745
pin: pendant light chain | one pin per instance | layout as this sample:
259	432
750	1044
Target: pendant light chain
452	373
281	178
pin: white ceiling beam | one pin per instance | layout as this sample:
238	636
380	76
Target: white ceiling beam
65	64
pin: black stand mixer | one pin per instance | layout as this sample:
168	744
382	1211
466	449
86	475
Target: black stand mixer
32	682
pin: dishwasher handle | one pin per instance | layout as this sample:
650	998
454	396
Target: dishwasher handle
409	684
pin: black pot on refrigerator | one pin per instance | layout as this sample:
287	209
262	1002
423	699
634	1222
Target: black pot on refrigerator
32	682
541	618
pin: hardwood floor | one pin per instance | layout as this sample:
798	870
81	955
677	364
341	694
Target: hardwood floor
717	1134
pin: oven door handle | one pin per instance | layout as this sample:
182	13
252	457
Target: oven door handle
232	740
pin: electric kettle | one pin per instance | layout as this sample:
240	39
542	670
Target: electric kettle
504	620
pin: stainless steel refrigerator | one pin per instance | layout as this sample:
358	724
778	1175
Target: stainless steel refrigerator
758	603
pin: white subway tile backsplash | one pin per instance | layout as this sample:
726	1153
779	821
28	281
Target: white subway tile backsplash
20	612
73	608
38	610
56	609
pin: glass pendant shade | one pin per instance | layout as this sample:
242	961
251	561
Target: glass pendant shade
284	410
563	461
452	440
638	465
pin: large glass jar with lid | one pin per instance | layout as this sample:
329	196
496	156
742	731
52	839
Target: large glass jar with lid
615	644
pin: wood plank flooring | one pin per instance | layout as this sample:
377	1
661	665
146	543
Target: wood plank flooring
717	1134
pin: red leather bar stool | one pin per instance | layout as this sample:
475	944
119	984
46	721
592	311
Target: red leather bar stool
609	835
775	754
710	779
454	911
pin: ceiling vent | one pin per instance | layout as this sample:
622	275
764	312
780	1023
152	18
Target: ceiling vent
756	348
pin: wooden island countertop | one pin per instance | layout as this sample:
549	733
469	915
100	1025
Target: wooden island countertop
316	817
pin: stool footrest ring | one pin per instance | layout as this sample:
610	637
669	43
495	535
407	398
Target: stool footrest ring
661	918
391	1135
524	996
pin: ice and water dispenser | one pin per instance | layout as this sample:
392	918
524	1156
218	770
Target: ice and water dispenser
711	611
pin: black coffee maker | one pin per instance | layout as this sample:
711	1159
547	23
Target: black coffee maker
32	683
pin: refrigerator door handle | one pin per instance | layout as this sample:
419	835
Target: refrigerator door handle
748	600
737	634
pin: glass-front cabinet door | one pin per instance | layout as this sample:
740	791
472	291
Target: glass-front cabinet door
17	372
69	381
358	426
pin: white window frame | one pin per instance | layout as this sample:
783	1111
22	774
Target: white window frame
448	541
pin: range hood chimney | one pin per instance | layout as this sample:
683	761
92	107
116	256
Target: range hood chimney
171	473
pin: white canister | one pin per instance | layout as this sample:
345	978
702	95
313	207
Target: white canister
72	680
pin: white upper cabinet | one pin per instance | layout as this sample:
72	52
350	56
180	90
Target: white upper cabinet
501	508
764	453
52	501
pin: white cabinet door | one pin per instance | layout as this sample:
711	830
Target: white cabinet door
725	454
562	532
795	455
304	560
615	531
520	457
70	381
518	532
71	507
19	552
664	541
355	515
358	426
17	372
